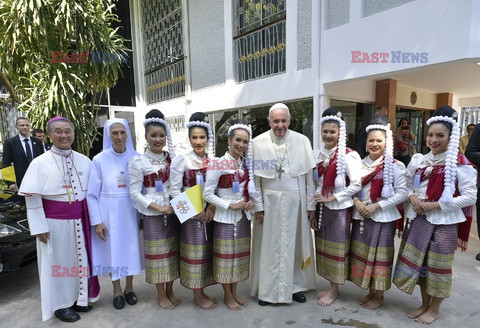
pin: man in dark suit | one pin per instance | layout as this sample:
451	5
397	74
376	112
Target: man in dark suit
473	154
40	134
21	150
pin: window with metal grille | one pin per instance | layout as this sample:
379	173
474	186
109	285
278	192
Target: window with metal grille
163	49
259	38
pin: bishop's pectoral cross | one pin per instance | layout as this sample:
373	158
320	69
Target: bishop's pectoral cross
69	192
280	171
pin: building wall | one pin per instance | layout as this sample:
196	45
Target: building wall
304	34
425	99
338	13
207	45
372	7
430	27
222	94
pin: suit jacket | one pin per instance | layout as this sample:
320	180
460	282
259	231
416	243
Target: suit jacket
473	150
13	152
362	142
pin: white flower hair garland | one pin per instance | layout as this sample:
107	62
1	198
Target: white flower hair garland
451	159
248	128
387	190
342	145
167	131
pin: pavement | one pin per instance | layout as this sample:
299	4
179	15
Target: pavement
20	305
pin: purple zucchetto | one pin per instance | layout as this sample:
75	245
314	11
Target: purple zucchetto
57	118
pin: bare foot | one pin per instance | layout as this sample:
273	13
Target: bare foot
428	317
239	300
328	299
204	302
165	303
417	312
321	293
373	303
211	298
365	298
174	299
232	304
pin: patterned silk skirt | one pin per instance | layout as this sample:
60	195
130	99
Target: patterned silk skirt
196	253
231	251
425	258
332	243
161	243
371	254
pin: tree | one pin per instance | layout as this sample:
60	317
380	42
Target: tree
58	57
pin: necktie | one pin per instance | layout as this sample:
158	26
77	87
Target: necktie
28	150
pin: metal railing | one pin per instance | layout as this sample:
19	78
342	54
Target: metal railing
163	49
261	53
166	83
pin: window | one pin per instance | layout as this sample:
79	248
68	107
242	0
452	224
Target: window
221	122
123	93
259	38
302	121
163	49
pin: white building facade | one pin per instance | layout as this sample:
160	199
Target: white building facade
234	58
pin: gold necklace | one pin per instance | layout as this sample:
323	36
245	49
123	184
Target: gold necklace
155	161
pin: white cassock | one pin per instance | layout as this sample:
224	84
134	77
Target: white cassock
282	248
109	203
62	281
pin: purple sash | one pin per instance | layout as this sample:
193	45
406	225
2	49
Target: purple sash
77	209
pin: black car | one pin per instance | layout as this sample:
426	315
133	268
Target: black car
17	246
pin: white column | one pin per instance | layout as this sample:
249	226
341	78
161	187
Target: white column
138	69
228	29
291	37
321	99
316	34
186	53
356	10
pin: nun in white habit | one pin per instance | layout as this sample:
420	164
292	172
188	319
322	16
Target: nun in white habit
115	240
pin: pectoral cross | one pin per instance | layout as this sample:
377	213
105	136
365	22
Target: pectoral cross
69	191
280	171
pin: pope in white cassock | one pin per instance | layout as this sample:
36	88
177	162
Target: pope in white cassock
282	250
115	239
55	186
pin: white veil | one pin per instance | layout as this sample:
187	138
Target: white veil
107	142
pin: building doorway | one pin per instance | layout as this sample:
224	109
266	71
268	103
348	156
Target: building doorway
356	116
417	119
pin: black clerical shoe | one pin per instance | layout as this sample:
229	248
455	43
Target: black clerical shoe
131	298
67	315
299	297
119	302
477	257
78	308
263	303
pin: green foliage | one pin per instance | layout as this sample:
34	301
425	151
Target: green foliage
256	10
31	30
